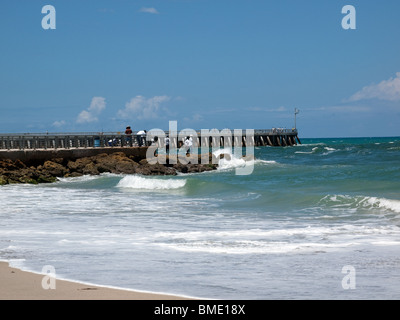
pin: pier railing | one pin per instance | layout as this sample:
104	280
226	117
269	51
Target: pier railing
33	141
66	141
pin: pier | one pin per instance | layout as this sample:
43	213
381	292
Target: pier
55	141
42	158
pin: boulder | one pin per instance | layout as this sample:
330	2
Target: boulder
46	179
91	169
3	180
128	167
54	169
78	165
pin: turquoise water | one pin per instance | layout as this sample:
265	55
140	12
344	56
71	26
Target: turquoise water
283	232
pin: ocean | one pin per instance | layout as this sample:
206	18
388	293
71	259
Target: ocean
319	220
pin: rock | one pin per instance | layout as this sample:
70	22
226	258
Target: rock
101	168
91	169
28	180
78	165
58	160
144	170
73	175
19	164
10	165
54	169
117	163
157	169
128	167
3	180
45	179
47	172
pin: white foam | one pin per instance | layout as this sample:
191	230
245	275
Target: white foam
393	205
315	150
225	164
343	201
231	161
287	240
78	179
309	144
142	183
259	161
86	178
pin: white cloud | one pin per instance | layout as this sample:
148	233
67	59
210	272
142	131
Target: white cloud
106	10
85	116
342	109
385	90
59	124
140	107
264	109
195	118
97	105
149	10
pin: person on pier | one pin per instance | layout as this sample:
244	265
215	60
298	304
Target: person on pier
188	145
128	133
141	137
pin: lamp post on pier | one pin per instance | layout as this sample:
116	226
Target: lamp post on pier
296	112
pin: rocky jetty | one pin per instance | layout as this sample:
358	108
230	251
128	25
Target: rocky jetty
16	171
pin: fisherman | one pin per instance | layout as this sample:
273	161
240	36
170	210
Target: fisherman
112	142
140	136
128	133
167	144
188	145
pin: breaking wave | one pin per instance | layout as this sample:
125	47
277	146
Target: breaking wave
319	150
231	161
287	240
361	202
142	183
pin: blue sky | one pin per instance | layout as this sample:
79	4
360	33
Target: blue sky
242	64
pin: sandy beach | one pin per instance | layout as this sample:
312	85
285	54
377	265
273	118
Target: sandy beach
21	285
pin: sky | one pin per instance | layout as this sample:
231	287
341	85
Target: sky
236	64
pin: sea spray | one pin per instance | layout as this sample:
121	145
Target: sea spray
230	161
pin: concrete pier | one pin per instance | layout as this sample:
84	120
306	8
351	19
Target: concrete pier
45	141
35	157
40	147
42	158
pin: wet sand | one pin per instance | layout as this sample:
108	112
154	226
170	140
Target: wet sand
21	285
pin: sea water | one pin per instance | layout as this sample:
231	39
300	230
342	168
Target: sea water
291	230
